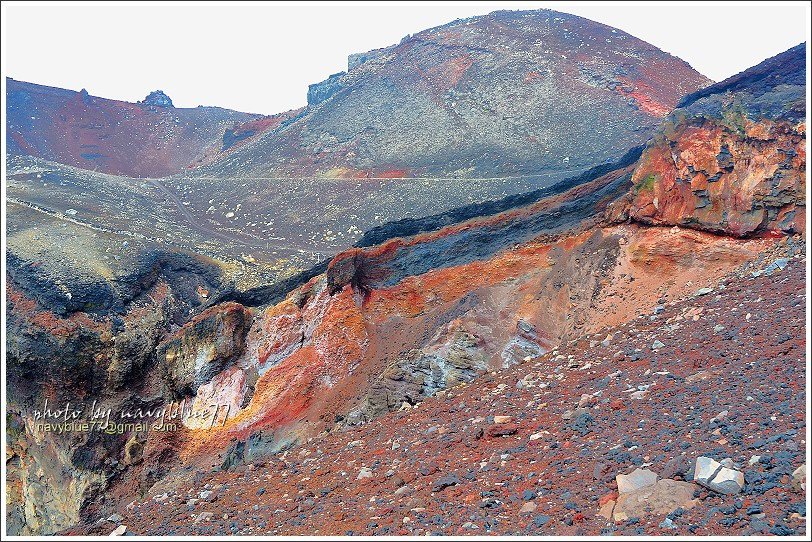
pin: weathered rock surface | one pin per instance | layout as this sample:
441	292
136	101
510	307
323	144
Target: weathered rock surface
204	347
637	479
96	344
456	360
660	498
717	476
319	92
732	158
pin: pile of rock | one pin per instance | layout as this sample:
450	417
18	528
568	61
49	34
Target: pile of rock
640	494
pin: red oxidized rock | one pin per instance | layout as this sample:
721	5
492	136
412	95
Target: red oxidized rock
502	429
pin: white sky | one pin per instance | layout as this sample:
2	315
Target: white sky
260	58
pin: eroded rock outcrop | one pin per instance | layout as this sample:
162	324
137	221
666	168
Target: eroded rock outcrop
204	347
158	98
455	357
320	92
353	351
83	355
732	159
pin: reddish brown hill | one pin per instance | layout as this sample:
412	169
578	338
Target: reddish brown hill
530	93
148	139
510	93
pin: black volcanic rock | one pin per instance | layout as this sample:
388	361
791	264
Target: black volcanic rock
158	98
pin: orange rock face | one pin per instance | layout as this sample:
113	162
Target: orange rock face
732	158
333	354
715	177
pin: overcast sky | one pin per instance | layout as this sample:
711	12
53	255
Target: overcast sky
260	58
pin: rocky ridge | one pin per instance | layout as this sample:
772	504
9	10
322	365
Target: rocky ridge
501	95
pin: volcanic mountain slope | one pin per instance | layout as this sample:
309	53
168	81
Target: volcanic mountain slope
242	134
510	93
148	139
535	93
84	340
382	329
262	231
537	449
395	322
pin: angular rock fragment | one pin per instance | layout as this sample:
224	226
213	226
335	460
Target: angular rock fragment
528	508
444	482
606	510
799	477
718	477
502	429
